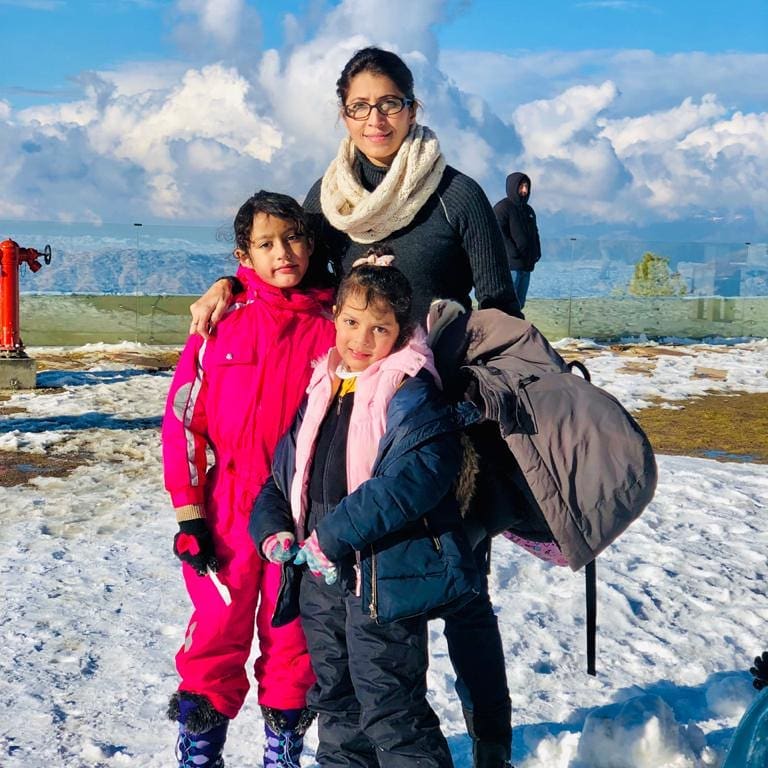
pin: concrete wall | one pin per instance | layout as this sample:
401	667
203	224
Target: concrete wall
76	320
611	318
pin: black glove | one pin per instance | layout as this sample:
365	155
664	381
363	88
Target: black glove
760	671
193	544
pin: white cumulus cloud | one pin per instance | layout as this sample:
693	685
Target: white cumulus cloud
607	136
632	135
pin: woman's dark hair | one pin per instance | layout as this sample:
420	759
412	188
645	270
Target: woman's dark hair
378	62
383	286
284	207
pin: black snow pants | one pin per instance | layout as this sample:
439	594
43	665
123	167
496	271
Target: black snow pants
371	687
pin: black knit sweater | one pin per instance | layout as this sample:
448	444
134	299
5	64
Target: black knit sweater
452	245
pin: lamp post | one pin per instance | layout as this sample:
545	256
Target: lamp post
137	224
570	284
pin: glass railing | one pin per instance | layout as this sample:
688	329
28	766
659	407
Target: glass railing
608	289
134	282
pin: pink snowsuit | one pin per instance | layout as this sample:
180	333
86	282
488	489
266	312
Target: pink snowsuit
236	395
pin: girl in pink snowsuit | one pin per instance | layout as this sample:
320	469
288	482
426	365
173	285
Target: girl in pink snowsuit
235	395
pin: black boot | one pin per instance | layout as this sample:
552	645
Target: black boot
486	754
491	736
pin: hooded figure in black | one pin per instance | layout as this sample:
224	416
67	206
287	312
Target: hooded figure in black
517	221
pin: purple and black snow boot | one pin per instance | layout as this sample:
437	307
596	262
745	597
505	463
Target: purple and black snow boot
202	731
284	730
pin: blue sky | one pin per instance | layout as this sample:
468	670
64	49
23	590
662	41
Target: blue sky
664	26
49	42
168	109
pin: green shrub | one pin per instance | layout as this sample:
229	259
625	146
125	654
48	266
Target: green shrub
653	277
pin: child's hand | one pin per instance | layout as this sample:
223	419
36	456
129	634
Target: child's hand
317	562
193	544
280	547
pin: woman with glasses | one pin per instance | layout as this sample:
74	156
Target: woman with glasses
389	185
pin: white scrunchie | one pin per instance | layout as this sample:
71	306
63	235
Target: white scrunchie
368	217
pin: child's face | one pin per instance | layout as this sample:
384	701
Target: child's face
364	334
278	253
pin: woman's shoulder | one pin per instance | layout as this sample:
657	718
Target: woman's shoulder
456	188
312	200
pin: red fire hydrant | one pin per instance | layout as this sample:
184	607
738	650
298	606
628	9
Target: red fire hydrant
11	258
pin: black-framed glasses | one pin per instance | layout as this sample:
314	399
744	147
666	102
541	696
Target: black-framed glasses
389	105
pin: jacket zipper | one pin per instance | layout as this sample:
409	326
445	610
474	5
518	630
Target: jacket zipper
373	608
435	539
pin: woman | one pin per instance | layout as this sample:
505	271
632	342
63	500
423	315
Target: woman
389	185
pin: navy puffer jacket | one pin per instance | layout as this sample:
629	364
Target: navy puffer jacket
404	522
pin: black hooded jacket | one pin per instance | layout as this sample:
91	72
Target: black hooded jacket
517	221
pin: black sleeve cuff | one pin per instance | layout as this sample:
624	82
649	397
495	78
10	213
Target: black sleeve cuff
234	283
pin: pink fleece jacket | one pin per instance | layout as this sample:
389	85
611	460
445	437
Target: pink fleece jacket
238	392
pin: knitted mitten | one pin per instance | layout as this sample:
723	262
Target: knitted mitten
193	544
280	547
318	564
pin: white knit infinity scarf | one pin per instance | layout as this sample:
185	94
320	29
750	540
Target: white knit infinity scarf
368	217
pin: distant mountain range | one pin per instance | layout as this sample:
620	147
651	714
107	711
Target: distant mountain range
160	260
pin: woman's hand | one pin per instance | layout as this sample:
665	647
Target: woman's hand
210	307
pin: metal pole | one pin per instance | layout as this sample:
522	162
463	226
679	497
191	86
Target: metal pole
137	225
570	285
10	341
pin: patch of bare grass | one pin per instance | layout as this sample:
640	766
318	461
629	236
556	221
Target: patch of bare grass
9	409
723	427
82	359
18	467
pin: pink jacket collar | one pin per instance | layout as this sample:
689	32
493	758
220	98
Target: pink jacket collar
408	361
297	299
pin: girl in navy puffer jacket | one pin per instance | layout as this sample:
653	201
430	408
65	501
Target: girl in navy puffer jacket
364	481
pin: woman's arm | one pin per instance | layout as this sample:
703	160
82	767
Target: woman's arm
483	243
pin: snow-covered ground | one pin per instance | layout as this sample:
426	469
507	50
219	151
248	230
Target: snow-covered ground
93	608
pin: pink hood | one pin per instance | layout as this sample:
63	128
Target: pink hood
374	389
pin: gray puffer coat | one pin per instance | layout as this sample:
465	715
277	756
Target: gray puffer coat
563	460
